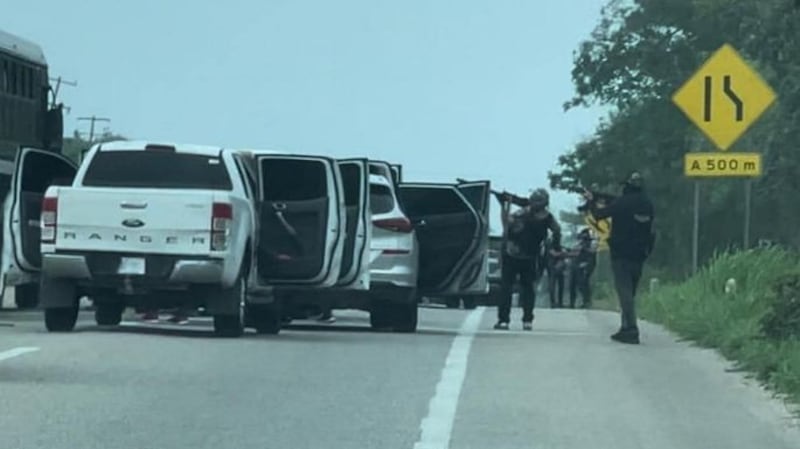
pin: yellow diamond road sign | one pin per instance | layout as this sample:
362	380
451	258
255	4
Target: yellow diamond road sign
724	97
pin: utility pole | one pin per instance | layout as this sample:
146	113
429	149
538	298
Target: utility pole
59	81
93	119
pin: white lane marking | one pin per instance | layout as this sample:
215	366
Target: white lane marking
436	428
11	353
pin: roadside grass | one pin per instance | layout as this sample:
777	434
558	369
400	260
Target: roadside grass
757	326
604	297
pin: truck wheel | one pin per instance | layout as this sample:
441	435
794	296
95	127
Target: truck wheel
265	318
26	296
61	319
108	314
380	315
229	326
405	317
470	303
232	326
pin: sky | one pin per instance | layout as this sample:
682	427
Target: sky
448	88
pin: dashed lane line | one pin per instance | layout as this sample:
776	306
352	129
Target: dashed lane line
437	427
16	352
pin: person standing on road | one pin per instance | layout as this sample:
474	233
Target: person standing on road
556	264
327	315
583	264
525	230
630	243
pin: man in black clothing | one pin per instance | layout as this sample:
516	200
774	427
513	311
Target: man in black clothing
631	242
583	263
524	232
556	268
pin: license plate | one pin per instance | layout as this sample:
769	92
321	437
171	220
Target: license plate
131	265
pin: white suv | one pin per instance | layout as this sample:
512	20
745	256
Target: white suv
428	239
394	256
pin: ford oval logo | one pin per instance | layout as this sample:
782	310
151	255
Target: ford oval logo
132	223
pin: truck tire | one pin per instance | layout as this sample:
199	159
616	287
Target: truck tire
26	296
380	316
108	314
405	318
265	318
232	325
61	303
61	319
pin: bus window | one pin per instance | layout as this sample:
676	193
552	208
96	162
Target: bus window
4	78
12	80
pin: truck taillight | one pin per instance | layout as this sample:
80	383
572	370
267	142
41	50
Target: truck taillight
394	224
48	219
221	219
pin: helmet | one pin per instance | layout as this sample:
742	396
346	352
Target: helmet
539	199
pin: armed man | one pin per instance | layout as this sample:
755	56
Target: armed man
630	243
556	265
524	232
583	265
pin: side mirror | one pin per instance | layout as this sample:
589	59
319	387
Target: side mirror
54	129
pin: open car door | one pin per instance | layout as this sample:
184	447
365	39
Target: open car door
34	171
452	235
354	272
478	193
385	169
397	173
301	213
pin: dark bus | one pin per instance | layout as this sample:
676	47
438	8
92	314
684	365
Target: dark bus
26	120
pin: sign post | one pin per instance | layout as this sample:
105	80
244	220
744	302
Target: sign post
748	192
723	99
696	227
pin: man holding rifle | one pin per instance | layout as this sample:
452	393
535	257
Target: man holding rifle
524	231
631	243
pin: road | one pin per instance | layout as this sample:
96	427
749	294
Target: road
454	384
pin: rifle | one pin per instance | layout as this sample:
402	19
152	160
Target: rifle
597	197
504	196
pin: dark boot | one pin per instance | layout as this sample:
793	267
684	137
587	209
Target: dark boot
627	336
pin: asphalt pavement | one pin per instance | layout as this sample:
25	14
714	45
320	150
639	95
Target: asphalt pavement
456	383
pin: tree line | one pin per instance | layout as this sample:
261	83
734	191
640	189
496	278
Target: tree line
75	145
639	54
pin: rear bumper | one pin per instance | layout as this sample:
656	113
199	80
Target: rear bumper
399	270
162	272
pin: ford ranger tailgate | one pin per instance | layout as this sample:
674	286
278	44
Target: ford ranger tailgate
155	221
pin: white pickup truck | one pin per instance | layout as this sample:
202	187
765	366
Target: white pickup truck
163	225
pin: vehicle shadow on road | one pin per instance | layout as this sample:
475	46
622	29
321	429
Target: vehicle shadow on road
190	332
364	329
292	331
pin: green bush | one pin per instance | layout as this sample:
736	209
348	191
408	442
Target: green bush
758	325
782	320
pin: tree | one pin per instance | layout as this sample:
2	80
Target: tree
636	58
75	145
